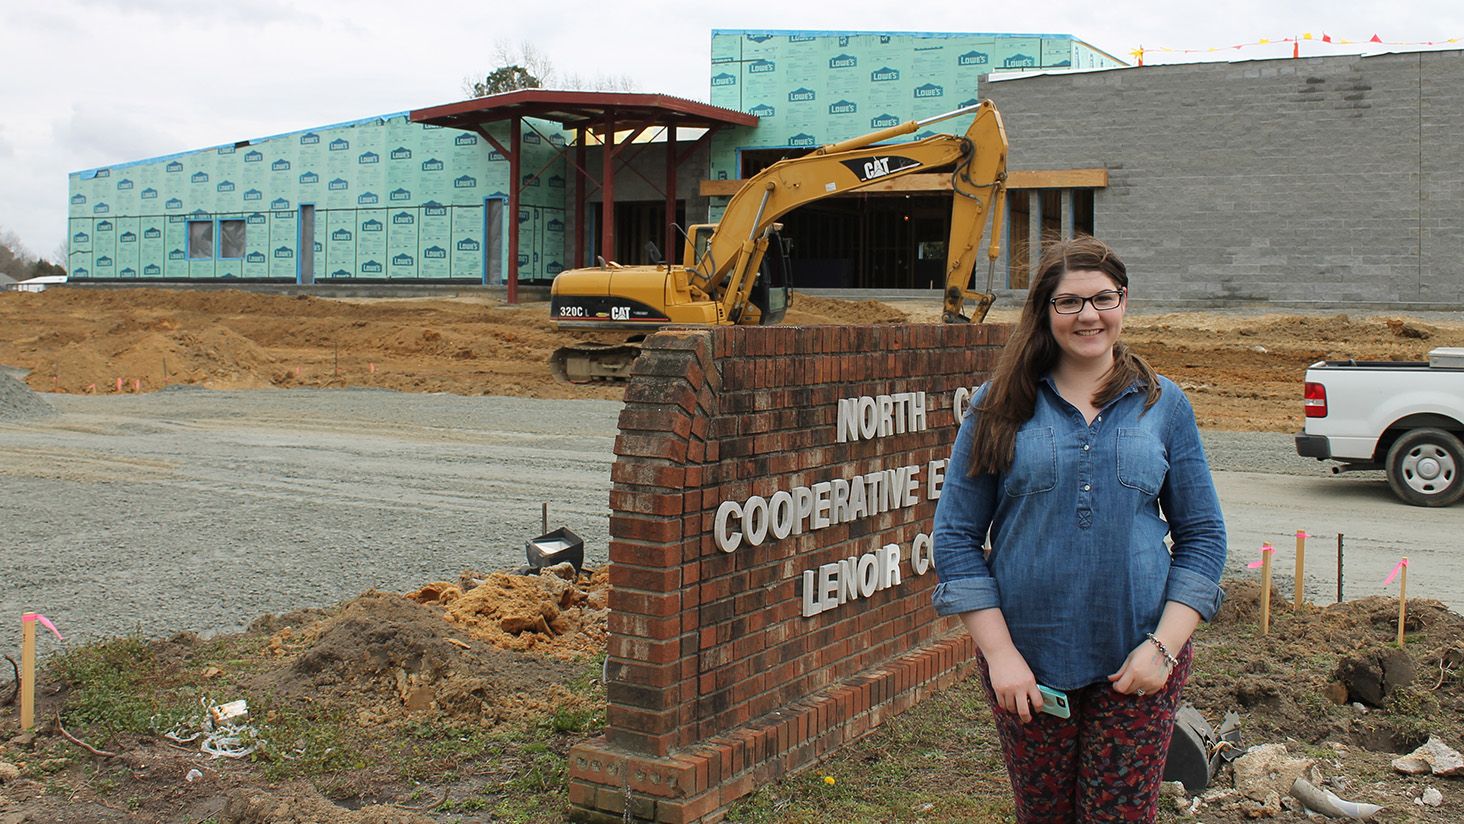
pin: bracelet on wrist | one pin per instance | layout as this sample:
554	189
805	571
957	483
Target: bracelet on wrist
1169	658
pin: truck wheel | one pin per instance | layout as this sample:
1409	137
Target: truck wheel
1426	467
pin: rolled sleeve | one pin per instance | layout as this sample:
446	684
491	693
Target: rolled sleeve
962	518
965	595
1195	591
1192	508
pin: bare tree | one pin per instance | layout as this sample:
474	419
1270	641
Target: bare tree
525	67
15	259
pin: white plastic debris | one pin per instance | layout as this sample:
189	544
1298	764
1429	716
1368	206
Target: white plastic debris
222	728
233	712
1431	797
1327	803
193	775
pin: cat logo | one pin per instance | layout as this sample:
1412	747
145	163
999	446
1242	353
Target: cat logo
876	167
884	75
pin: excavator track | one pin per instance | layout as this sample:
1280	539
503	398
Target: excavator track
590	362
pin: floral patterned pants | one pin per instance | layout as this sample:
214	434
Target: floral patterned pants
1104	763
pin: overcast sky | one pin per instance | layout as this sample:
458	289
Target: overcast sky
87	83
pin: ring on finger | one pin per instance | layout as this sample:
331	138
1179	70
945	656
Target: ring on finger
1140	691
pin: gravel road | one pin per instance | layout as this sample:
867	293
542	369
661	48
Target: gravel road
200	510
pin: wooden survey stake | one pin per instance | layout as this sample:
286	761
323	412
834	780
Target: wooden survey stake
1402	599
1300	594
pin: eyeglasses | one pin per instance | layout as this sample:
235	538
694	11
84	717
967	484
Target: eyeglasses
1072	304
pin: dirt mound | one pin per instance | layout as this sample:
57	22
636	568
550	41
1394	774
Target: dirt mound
18	402
807	309
388	656
301	803
547	613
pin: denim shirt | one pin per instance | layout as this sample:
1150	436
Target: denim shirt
1078	562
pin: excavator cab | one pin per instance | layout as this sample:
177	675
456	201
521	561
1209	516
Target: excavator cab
771	293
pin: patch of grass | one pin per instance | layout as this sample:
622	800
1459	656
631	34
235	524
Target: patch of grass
309	740
118	686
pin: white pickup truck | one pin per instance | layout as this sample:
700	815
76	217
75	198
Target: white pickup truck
1405	418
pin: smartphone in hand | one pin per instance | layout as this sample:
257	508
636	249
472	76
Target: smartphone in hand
1054	702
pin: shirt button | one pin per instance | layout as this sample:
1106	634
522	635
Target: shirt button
1087	487
1085	447
1100	419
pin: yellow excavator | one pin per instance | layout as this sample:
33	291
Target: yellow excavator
739	264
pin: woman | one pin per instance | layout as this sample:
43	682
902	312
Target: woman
1078	460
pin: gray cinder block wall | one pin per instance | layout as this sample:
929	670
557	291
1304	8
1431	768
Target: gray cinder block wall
1325	180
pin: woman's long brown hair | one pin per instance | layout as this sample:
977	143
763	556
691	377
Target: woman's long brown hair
1032	352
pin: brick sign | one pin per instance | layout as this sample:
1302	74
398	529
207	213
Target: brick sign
773	494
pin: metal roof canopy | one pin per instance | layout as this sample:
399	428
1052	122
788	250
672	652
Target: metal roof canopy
599	113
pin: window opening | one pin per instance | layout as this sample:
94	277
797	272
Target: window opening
200	239
231	238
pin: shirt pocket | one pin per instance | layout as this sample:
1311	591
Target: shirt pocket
1142	463
1034	467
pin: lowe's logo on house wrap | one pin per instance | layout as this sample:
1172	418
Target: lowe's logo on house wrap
801	139
280	166
151	233
1019	61
78	200
465	182
338	185
557	140
101	209
465	140
340	273
724	79
929	90
967	103
973	58
367	199
434	253
255	257
341	235
400	194
127	237
467	245
124	184
531	180
494	156
368	158
523	260
223	150
555	182
761	67
801	38
843	61
104	172
433	165
173	203
403	259
104	262
434	209
253	156
843	107
128	272
523	216
278	204
309	139
174	167
256	219
884	121
533	139
81	237
340	144
759	38
554	267
309	178
151	270
884	75
800	95
554	225
403	219
763	110
372	225
284	253
80	273
149	194
225	186
199	177
371	267
104	226
843	40
175	254
401	153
